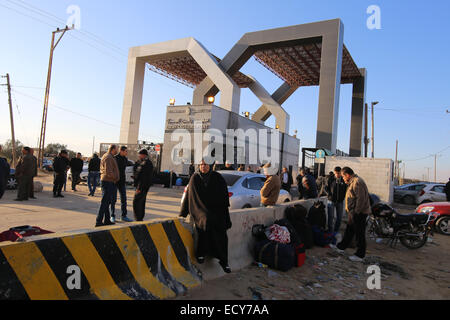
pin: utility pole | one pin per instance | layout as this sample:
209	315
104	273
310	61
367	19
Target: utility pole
428	173
93	143
396	160
366	140
11	117
373	139
435	160
47	92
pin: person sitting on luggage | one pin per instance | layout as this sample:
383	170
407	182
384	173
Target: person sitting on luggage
271	189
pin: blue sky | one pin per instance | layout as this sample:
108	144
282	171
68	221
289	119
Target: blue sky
407	61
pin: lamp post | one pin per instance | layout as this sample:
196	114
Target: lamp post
374	103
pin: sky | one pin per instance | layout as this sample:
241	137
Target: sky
407	62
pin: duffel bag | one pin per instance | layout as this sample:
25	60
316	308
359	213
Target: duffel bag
295	238
276	255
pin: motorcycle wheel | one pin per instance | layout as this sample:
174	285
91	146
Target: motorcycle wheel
412	242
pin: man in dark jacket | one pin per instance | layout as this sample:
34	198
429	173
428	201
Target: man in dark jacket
191	169
93	174
309	186
122	162
24	174
335	189
60	165
286	180
35	166
4	174
447	190
207	201
76	166
143	174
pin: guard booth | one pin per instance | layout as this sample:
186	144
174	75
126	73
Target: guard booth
314	159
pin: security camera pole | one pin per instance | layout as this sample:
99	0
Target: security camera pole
373	140
47	92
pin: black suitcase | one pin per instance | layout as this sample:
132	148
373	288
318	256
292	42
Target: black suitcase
317	215
276	255
297	218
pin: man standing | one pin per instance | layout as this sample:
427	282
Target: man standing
447	190
191	169
4	174
286	180
336	189
76	166
122	162
143	174
60	165
309	186
34	174
93	174
357	204
24	174
109	175
271	189
207	202
228	166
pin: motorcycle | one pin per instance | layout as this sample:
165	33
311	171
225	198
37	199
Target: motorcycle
412	230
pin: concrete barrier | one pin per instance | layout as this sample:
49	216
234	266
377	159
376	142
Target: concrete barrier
141	261
240	240
147	260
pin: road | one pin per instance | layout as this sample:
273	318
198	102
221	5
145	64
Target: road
77	211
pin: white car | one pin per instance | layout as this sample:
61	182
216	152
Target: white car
84	174
244	189
432	192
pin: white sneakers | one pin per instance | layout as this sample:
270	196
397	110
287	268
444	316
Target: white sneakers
355	258
335	248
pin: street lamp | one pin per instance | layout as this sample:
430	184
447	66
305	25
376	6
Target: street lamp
374	103
172	101
211	100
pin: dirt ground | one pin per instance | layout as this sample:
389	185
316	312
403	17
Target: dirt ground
405	274
77	211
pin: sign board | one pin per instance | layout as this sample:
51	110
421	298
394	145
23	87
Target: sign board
157	148
320	154
319	160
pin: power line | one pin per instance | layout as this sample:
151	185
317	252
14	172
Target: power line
429	156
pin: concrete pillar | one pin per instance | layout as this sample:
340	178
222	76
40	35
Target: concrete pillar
132	102
330	81
357	121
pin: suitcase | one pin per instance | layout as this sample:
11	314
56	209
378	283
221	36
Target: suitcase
276	255
297	217
317	215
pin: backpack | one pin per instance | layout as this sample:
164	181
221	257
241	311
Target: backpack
276	255
317	215
297	217
322	238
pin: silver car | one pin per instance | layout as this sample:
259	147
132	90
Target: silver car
244	189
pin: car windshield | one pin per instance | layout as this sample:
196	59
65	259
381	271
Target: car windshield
230	179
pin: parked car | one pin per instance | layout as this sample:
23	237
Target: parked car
84	174
47	164
244	189
442	223
408	193
432	192
11	183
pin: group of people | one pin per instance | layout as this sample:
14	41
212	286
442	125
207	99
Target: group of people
207	200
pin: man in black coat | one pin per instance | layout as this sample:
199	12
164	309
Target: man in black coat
76	166
35	172
336	189
207	201
24	173
4	174
60	165
122	162
143	174
93	174
447	190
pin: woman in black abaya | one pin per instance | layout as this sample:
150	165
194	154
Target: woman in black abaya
207	201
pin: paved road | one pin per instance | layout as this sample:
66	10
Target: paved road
77	211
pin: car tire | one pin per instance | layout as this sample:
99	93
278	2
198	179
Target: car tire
286	200
408	200
247	206
443	226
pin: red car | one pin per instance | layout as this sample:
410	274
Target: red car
442	223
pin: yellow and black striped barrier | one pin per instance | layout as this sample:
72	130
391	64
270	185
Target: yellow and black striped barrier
142	261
